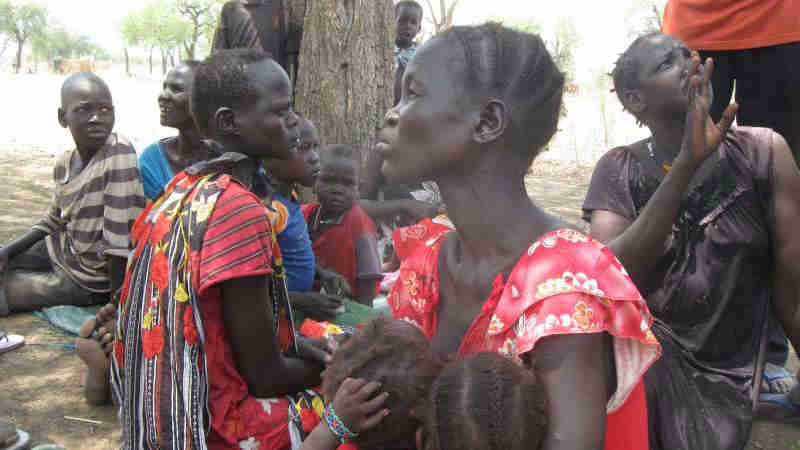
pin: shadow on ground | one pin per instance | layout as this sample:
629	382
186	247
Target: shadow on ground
42	382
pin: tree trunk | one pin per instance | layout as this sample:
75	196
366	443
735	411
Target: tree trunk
127	62
163	62
150	60
346	68
18	64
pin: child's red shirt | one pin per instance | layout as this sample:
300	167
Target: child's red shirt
346	244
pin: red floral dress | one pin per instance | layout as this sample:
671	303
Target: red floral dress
566	283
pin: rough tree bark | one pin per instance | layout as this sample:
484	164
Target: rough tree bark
346	67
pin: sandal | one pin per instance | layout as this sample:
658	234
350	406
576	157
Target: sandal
772	376
12	438
10	342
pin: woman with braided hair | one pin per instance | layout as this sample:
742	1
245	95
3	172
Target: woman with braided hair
478	104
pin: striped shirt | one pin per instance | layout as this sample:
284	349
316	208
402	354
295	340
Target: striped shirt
93	211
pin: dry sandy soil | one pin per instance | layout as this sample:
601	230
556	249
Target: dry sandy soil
42	382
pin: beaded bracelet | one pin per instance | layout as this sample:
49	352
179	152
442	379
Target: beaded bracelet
337	427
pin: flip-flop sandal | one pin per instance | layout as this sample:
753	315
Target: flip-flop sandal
10	342
18	442
772	402
772	374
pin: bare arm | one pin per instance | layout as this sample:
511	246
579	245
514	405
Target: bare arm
365	287
787	240
576	373
247	311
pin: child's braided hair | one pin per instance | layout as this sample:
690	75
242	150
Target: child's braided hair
514	67
486	402
396	354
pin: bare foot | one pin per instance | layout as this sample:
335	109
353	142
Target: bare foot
93	346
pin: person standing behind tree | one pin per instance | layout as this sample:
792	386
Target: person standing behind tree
266	25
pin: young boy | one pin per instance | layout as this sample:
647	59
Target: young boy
343	236
204	320
76	254
408	19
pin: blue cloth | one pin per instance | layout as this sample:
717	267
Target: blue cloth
155	170
298	258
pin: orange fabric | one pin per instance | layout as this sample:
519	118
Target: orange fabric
733	24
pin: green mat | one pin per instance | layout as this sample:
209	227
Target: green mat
355	313
68	318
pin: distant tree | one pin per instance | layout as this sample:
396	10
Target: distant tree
202	16
441	15
560	43
645	16
132	36
21	22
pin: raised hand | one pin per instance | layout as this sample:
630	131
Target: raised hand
702	136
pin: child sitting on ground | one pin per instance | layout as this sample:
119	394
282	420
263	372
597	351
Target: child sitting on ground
76	254
343	236
483	402
290	224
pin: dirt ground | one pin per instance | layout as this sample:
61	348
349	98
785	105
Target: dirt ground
41	386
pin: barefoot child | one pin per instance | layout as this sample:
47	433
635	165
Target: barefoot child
204	317
76	254
342	234
164	158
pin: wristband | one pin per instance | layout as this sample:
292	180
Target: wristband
337	427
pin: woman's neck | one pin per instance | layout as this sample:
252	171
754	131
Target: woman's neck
189	142
493	215
667	138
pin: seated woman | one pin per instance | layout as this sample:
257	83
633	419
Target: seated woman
724	260
204	319
159	162
478	104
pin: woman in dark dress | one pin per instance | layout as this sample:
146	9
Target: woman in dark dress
727	264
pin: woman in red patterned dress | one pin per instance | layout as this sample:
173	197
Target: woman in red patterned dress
477	106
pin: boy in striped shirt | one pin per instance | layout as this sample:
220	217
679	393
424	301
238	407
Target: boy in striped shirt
76	255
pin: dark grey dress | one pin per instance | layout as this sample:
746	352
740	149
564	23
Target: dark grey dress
710	291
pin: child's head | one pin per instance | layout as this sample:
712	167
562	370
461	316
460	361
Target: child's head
484	402
173	101
337	183
408	19
470	93
242	99
396	354
87	110
651	78
304	165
